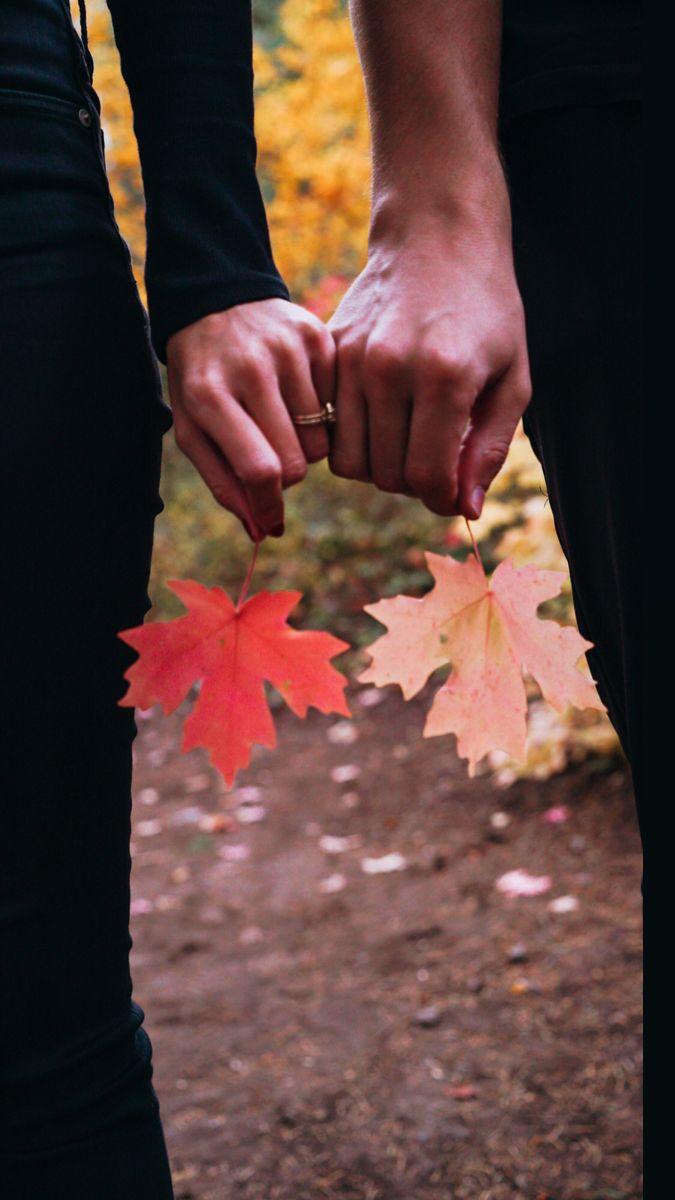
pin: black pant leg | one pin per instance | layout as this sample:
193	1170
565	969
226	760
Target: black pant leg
81	422
574	177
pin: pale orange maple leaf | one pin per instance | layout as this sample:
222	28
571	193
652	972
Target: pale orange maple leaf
489	631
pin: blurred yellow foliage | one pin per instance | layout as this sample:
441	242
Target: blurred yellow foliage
313	139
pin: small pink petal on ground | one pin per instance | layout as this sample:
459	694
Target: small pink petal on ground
332	883
190	815
381	866
499	820
248	814
557	814
343	733
250	794
251	935
234	853
563	904
148	828
370	697
345	773
338	845
197	783
141	906
521	883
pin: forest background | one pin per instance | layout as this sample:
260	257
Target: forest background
346	544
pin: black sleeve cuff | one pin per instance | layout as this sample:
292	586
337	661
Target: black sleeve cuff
181	308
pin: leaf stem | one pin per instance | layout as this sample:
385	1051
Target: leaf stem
247	580
473	542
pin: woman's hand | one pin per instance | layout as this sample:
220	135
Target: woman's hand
432	362
234	379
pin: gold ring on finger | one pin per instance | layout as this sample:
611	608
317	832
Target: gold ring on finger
327	415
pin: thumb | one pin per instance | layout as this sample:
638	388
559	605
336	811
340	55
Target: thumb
494	419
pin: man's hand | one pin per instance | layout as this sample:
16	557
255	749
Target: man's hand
234	379
432	361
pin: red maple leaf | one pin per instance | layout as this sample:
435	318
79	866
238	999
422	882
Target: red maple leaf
232	649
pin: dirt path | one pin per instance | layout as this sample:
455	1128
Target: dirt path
324	1032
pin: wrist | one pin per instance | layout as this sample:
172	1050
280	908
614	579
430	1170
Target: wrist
478	206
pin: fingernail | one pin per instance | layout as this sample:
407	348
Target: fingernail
277	531
477	498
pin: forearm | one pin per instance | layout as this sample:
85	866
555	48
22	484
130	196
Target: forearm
190	78
431	69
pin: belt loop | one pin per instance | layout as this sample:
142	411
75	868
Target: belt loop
83	24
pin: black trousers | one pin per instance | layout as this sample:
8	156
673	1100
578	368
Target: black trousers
81	423
574	176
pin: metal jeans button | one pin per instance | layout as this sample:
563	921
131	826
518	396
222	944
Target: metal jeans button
85	117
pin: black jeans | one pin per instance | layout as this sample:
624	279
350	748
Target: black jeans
81	423
574	176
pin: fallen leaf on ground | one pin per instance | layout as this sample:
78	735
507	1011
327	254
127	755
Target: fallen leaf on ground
381	866
462	1091
234	853
556	814
489	631
248	814
232	649
148	828
345	773
521	883
563	904
332	883
338	845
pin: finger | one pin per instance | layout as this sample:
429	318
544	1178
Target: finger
301	398
389	403
216	473
439	419
263	401
494	419
243	444
348	455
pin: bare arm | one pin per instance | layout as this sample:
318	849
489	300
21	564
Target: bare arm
432	360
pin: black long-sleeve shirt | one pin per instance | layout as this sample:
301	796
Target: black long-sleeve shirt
188	67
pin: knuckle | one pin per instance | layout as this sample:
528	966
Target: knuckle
314	336
382	363
348	354
259	472
494	455
294	471
348	468
389	481
442	507
317	450
445	366
438	492
200	394
286	342
421	478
